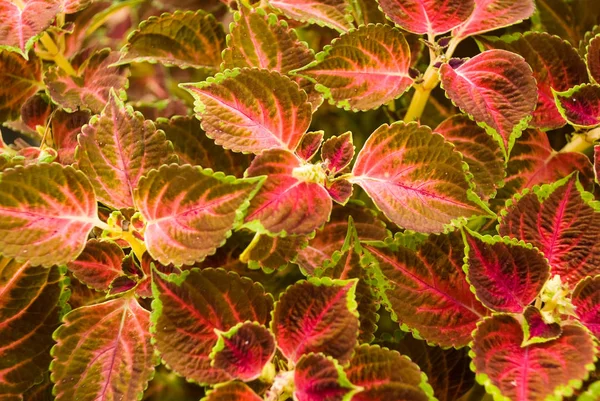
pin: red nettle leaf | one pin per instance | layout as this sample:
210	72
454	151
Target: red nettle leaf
340	190
272	253
506	275
479	151
189	307
592	58
490	15
36	110
243	351
309	145
386	375
20	79
559	222
99	264
363	68
27	320
46	213
189	211
320	378
335	14
432	17
103	352
183	39
556	66
337	152
65	128
117	148
251	110
288	202
580	105
586	300
497	88
24	22
414	177
535	328
231	391
427	291
534	372
90	89
318	315
597	162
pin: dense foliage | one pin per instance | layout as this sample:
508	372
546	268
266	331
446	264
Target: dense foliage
317	200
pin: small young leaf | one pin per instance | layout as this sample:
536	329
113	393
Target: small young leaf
535	329
506	276
19	79
309	145
534	372
340	190
580	105
586	300
36	110
335	14
189	212
46	213
243	351
497	88
231	391
337	152
272	253
427	16
252	110
592	58
186	310
116	149
490	15
103	352
65	128
99	264
319	378
363	69
318	315
414	177
183	39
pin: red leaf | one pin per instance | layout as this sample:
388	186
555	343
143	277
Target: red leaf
19	79
272	253
534	372
490	15
597	162
340	190
592	58
309	145
337	152
36	110
335	14
580	105
232	391
99	264
586	300
65	128
319	378
535	329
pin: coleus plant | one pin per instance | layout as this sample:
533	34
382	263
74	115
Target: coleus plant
184	216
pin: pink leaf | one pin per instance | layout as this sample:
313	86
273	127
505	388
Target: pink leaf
427	16
309	145
340	190
335	14
19	79
535	329
580	105
46	213
99	264
231	391
414	177
592	58
497	88
586	300
337	152
320	378
490	15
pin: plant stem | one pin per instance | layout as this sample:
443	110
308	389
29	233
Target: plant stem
582	142
137	246
57	55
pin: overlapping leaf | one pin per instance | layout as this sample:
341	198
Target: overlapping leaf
335	14
251	110
182	39
319	378
427	290
592	58
30	309
493	14
337	152
364	68
534	372
580	105
318	315
535	328
187	309
309	145
414	177
19	79
586	299
231	391
46	213
99	264
207	204
272	253
36	110
65	128
569	20
561	224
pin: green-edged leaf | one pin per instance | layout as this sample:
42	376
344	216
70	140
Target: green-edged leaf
30	309
386	375
287	203
318	315
338	152
561	224
20	79
335	14
363	68
320	378
99	264
188	308
479	151
193	147
506	275
497	89
231	391
414	177
243	351
592	58
46	213
570	20
189	212
586	300
426	289
251	110
535	328
116	149
580	105
90	89
597	162
272	253
65	128
543	371
309	145
340	190
182	39
103	352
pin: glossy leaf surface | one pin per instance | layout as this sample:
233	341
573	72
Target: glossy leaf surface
586	299
580	105
19	79
493	14
319	378
335	14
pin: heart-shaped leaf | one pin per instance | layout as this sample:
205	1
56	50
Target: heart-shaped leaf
592	58
99	264
231	391
543	371
252	110
335	14
20	79
337	152
536	329
318	315
320	378
586	300
103	352
580	105
415	186
497	88
46	213
363	69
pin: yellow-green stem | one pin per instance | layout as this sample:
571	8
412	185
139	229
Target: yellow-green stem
137	246
582	142
57	55
421	95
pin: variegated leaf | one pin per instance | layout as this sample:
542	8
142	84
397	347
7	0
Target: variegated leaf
580	105
20	79
335	14
494	14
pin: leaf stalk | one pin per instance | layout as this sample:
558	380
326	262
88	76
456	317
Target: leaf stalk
56	54
582	142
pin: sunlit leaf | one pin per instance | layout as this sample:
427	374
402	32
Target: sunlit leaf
99	264
231	391
103	352
207	204
335	14
535	328
272	253
20	79
592	58
320	378
493	14
586	299
309	145
580	105
340	190
337	152
187	309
